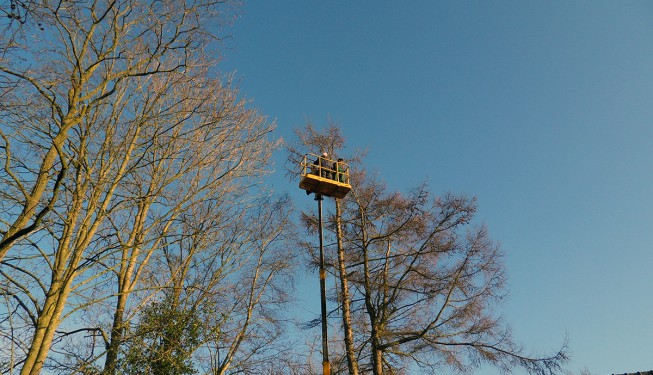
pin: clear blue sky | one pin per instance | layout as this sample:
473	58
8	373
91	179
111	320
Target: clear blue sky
543	110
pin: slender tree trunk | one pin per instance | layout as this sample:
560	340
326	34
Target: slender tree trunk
377	355
125	287
352	364
55	298
117	331
46	326
126	283
377	360
67	258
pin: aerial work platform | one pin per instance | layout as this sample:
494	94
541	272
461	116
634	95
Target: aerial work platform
323	176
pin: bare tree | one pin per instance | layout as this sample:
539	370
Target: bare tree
203	165
428	283
113	132
232	270
253	321
197	151
418	284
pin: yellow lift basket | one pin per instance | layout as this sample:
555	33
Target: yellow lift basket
323	176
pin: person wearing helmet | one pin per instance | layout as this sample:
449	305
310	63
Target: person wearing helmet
324	165
321	166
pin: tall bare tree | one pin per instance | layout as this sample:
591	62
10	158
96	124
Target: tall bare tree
136	182
428	283
207	161
232	272
113	131
418	283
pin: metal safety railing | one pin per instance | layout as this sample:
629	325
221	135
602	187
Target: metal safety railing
324	167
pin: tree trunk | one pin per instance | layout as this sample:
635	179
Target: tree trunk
46	326
352	364
372	313
377	359
117	331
